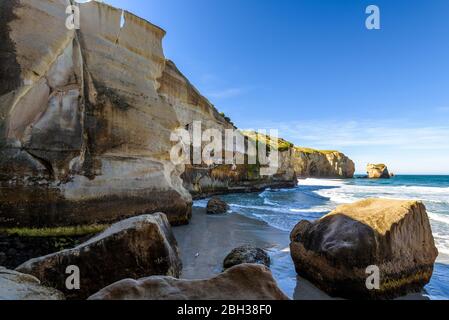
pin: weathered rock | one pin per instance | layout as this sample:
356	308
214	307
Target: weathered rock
243	282
84	130
217	206
246	254
137	247
310	163
335	251
19	286
377	171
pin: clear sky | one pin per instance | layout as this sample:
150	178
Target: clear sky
312	70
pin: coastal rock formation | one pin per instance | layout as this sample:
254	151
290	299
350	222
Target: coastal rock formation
217	206
137	247
86	118
336	251
243	282
84	128
246	254
18	286
377	171
310	163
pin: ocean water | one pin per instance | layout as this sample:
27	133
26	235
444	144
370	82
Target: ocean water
313	198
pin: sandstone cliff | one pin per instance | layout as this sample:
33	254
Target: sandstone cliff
309	163
86	118
84	131
202	179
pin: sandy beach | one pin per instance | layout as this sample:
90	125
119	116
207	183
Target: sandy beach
208	239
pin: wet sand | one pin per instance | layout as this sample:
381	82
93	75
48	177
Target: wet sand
208	239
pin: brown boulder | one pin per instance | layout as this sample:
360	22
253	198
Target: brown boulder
243	282
335	251
217	206
246	254
137	247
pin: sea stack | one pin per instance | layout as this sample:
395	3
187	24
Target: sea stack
340	251
378	171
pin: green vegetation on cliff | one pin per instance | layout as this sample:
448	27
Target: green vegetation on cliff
282	145
55	232
310	150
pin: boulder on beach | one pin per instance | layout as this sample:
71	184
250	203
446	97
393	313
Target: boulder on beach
377	171
137	247
18	286
243	282
217	206
339	252
246	254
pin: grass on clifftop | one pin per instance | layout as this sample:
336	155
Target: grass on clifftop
310	150
77	231
282	145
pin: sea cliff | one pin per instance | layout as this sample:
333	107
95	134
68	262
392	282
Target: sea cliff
86	118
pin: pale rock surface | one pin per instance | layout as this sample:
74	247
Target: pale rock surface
378	171
243	282
19	286
84	130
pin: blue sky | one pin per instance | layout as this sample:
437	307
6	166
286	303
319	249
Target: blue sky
312	70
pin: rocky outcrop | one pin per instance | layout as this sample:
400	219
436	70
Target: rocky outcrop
217	206
377	171
310	163
246	254
244	282
18	286
336	251
137	247
84	126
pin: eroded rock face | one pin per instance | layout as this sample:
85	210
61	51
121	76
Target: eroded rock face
335	251
378	171
246	254
19	286
84	128
310	163
137	247
201	179
243	282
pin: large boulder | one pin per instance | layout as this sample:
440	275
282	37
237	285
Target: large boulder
217	206
136	248
243	282
378	171
19	286
246	254
338	252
